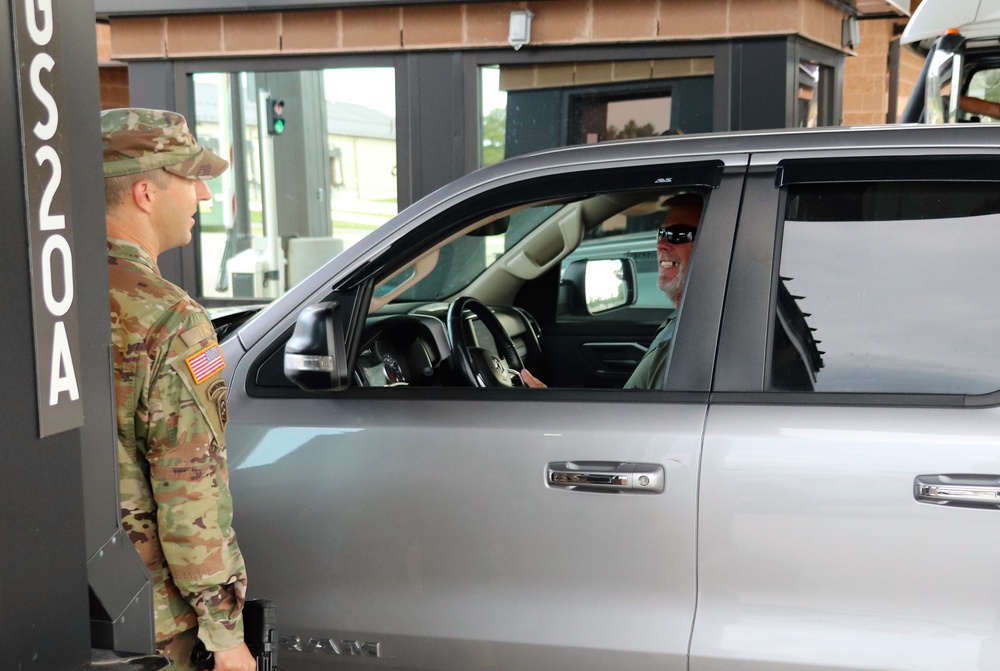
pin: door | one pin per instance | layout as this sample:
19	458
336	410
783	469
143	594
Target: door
848	503
448	527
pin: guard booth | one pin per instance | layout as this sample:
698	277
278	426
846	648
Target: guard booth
388	100
70	581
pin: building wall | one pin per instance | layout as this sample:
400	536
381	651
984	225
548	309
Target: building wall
113	76
114	87
556	23
367	168
866	76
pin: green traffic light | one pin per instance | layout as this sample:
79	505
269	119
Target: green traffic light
275	120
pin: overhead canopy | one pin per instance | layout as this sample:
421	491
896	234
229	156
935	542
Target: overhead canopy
972	18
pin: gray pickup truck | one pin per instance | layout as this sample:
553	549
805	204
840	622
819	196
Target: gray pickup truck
812	484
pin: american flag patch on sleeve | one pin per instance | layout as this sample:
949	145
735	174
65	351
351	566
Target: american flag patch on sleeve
205	363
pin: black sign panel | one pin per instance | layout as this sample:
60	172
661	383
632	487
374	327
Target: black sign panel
54	308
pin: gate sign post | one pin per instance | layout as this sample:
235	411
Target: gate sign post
54	312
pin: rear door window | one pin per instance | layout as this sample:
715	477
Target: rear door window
888	287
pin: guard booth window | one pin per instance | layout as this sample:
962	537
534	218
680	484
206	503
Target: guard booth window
313	158
814	102
529	108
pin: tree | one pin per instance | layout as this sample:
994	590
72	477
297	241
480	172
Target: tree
494	135
631	129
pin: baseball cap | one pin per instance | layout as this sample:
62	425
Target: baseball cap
136	140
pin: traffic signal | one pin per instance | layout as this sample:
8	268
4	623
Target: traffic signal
275	116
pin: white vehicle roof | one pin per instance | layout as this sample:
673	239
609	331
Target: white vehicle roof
972	18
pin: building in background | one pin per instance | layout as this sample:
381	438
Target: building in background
386	102
880	75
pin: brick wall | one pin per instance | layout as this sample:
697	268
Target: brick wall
113	75
103	43
866	76
114	87
485	25
556	23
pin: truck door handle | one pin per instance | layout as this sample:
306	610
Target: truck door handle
981	491
606	476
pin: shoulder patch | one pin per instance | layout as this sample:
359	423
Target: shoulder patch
205	363
195	336
217	392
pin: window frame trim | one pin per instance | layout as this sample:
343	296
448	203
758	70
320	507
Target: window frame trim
722	173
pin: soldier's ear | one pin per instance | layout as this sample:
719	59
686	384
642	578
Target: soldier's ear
144	194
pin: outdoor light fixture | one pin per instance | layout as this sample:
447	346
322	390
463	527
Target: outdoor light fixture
850	33
520	28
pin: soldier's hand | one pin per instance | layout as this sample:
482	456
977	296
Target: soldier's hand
236	659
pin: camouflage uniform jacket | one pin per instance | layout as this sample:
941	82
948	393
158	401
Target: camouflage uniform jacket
176	504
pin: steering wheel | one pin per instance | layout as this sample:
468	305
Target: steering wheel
480	366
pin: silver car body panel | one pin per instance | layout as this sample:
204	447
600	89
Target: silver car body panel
428	527
814	554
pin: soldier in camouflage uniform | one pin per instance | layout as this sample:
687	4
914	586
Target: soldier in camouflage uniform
171	397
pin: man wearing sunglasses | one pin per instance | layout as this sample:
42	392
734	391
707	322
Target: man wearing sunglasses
674	244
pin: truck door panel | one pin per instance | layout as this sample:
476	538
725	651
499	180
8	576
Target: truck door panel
428	528
855	364
419	525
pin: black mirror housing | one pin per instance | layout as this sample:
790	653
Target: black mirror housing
315	355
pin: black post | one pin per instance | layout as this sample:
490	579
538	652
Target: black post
43	563
59	486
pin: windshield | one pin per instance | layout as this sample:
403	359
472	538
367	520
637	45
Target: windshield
464	259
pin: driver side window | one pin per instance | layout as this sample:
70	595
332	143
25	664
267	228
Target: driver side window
583	292
629	346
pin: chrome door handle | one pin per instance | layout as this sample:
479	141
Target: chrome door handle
961	490
606	476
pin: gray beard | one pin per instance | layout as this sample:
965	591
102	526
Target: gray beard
674	289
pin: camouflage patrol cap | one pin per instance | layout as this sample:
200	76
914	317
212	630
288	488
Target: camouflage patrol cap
136	140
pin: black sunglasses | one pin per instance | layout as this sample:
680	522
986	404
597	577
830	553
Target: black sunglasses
677	234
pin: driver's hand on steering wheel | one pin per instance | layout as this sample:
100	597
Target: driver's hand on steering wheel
530	380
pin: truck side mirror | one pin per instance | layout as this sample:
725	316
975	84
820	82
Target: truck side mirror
315	355
594	286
